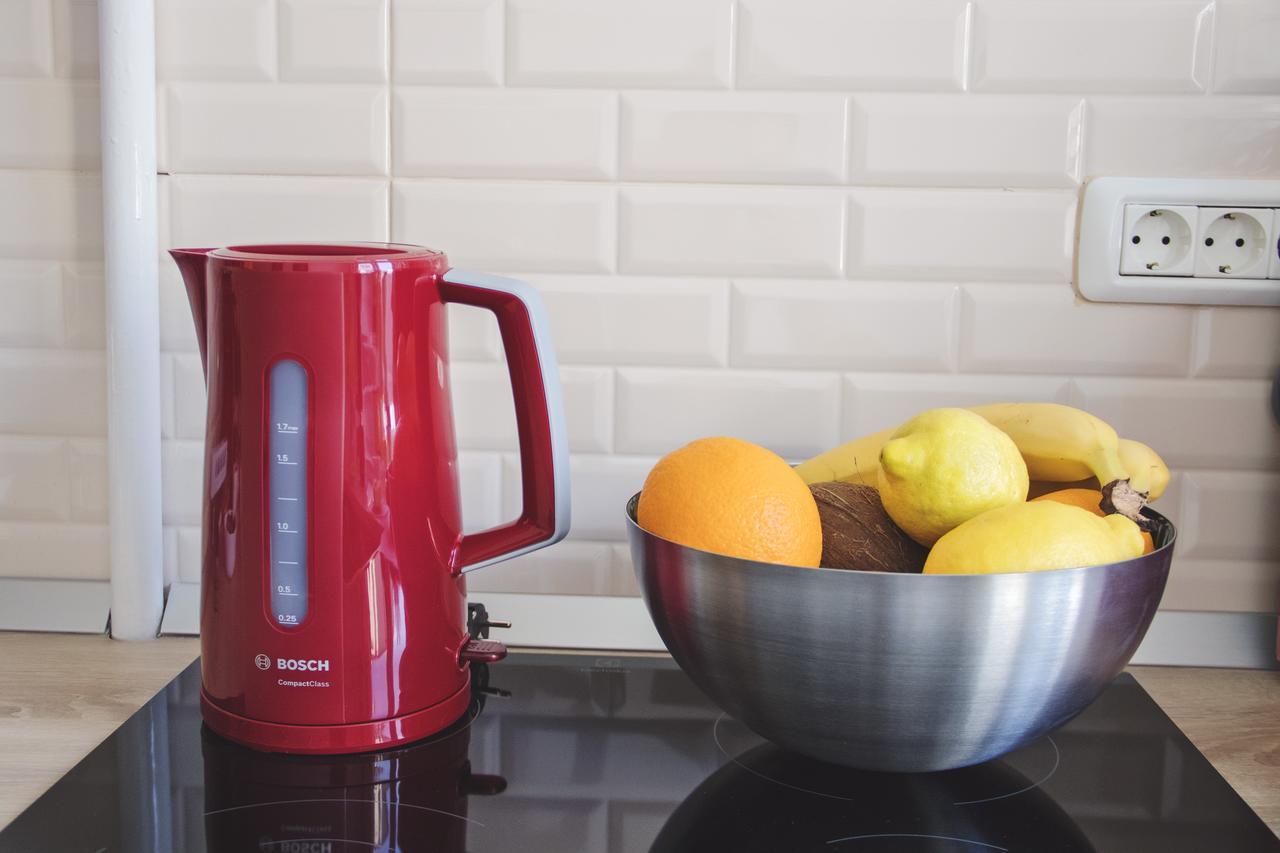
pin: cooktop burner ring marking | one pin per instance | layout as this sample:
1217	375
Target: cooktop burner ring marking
1057	759
715	734
918	835
399	804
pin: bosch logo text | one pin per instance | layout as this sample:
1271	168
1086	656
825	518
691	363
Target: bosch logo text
300	665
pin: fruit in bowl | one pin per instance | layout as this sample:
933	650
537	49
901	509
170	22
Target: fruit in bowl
891	668
732	497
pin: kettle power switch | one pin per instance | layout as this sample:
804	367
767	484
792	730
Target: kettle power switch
287	492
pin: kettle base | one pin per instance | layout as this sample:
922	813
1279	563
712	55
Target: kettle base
336	739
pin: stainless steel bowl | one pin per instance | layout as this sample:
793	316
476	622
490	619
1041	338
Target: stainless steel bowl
898	672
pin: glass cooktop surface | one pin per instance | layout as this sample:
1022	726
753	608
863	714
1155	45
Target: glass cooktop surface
561	754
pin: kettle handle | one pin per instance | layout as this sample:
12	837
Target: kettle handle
544	444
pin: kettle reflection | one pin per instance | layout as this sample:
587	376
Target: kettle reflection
767	799
408	799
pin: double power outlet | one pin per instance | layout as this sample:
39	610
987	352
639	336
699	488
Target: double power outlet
1201	242
1188	241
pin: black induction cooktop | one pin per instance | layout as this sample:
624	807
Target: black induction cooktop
616	754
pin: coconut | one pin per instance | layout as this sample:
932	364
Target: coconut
857	533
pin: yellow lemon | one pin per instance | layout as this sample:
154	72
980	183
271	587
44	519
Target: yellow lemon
943	467
1032	537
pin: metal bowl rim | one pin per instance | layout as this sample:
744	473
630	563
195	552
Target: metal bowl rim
634	500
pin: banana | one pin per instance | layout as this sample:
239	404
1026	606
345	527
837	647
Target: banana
1147	471
1059	443
1062	443
856	461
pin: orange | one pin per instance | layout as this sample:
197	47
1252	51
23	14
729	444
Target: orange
1090	499
732	497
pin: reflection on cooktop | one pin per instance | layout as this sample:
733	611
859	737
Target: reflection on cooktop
614	755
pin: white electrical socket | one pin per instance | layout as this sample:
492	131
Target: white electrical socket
1108	269
1158	240
1234	242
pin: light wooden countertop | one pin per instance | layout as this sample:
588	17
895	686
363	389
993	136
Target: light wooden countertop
62	694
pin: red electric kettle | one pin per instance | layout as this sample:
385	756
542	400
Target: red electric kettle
333	603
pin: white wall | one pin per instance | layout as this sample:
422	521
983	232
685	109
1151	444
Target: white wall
791	221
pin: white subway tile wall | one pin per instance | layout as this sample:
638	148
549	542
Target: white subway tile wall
796	221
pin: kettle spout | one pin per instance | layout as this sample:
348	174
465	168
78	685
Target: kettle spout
191	263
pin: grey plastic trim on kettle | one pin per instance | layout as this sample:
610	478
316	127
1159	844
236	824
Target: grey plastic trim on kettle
541	325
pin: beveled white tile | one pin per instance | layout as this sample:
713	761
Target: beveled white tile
1246	33
189	396
599	491
177	330
624	575
504	133
216	40
637	320
84	305
455	42
588	408
167	404
876	401
1091	45
30	304
570	568
189	556
169	551
730	230
473	334
53	549
732	136
504	226
26	38
1241	586
333	41
181	475
1237	342
1013	328
844	325
87	467
60	216
75	38
30	408
965	140
35	485
221	210
830	44
49	124
961	234
276	129
657	43
1183	137
1230	515
480	484
795	414
484	414
1219	423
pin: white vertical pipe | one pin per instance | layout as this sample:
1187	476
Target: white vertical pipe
126	39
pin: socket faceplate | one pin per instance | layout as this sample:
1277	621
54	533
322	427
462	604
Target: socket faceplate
1106	216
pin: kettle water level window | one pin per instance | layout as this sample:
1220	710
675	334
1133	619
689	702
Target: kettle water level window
287	492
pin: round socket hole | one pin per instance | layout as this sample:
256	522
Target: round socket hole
1234	244
1164	238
